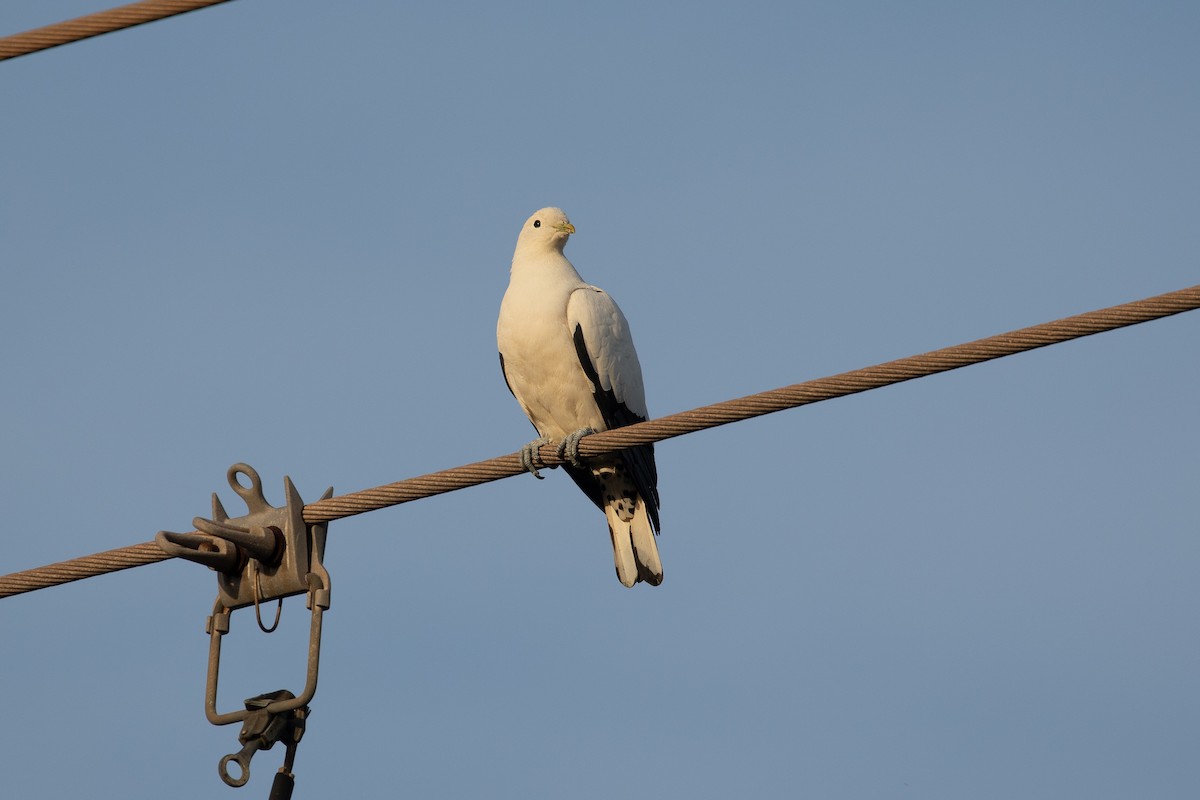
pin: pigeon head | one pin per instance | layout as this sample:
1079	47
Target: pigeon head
547	229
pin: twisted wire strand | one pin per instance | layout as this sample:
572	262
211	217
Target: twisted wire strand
85	27
656	430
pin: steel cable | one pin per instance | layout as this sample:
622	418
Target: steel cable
113	19
656	430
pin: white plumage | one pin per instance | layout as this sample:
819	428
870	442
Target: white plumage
568	358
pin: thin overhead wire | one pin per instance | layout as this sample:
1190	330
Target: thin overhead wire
656	430
85	27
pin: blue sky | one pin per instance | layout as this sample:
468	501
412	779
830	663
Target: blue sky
279	233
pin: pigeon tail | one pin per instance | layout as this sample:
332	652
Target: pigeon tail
635	552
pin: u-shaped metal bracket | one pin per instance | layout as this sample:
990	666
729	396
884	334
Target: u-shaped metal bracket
218	626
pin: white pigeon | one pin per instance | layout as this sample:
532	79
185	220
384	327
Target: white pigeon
568	358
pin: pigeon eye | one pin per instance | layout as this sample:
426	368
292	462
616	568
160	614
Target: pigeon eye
537	223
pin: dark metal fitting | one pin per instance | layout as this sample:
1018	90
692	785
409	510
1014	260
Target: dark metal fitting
283	548
268	554
261	730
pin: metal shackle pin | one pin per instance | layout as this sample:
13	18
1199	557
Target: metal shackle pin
264	544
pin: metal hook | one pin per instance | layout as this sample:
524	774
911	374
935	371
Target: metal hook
258	614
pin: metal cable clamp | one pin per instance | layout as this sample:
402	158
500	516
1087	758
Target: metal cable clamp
269	554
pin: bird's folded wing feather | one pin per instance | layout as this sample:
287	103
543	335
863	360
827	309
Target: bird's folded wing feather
608	347
607	355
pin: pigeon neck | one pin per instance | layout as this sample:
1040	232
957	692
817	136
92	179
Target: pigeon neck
541	266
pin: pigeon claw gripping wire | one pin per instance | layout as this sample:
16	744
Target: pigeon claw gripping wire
268	554
530	458
568	448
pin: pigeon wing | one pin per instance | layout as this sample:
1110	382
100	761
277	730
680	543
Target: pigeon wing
607	356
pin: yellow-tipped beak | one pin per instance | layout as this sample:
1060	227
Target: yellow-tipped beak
566	227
